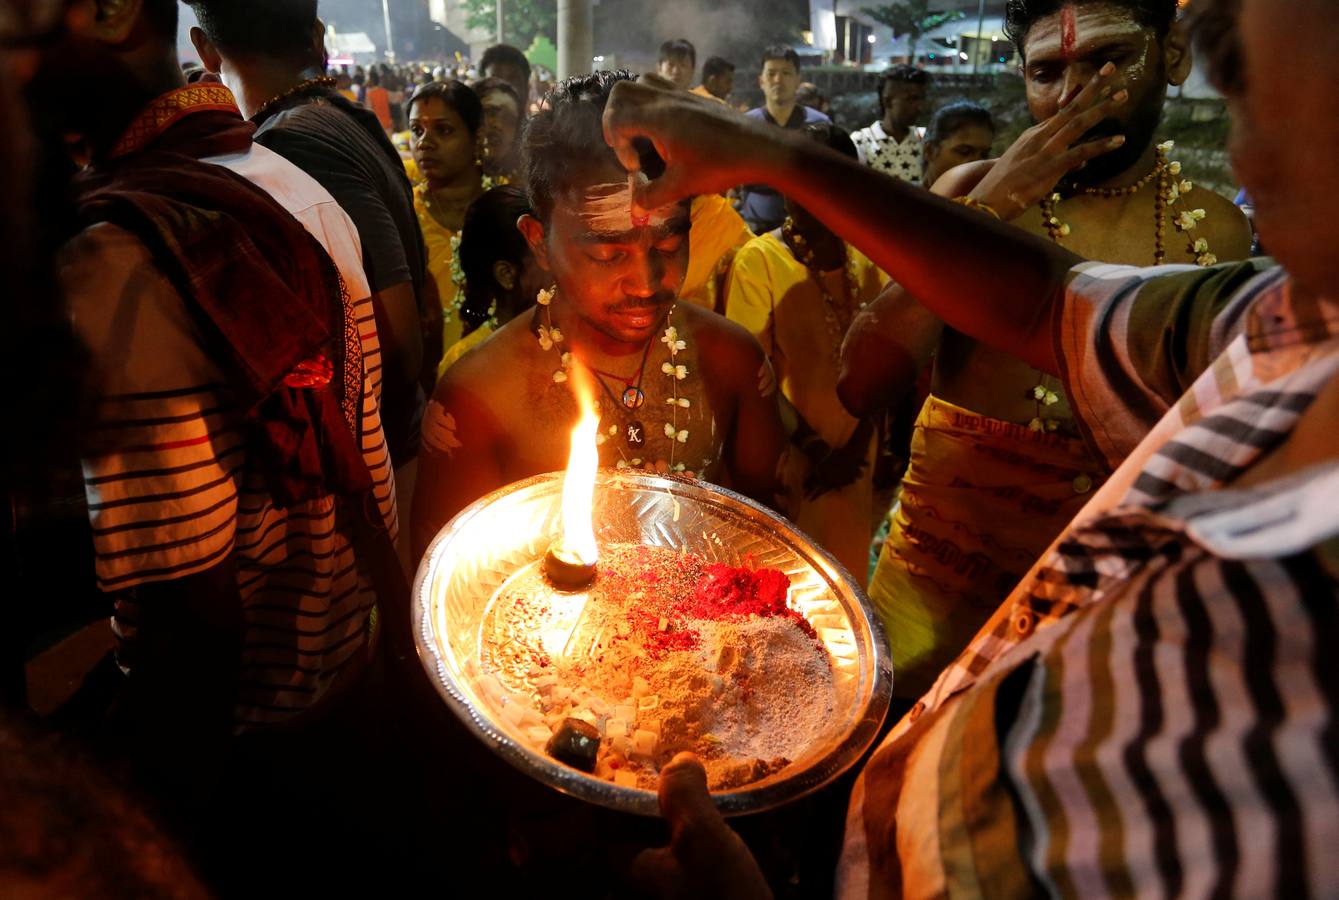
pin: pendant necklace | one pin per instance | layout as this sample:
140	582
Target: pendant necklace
633	397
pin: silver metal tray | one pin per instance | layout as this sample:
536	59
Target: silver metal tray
509	529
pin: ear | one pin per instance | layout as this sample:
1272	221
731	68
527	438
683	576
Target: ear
931	150
318	42
504	273
210	57
533	231
1177	55
115	20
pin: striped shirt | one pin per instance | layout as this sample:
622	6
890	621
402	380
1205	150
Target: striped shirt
171	489
1153	711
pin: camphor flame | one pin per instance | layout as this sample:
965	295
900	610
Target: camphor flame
583	461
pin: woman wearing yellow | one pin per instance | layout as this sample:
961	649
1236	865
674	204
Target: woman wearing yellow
444	120
797	289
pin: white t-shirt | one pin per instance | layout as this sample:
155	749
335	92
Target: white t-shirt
878	150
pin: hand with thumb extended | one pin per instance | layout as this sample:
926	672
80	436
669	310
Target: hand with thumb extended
707	147
705	858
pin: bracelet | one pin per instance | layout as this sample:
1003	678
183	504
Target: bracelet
972	203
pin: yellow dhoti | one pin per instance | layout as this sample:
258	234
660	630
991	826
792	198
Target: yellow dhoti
981	500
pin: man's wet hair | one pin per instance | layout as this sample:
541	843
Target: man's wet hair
504	54
833	137
162	17
781	52
490	235
715	66
564	142
948	119
457	95
1021	15
677	48
258	28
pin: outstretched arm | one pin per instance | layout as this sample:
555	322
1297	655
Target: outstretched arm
991	294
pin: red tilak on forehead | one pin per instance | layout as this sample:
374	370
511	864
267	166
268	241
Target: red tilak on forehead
1069	35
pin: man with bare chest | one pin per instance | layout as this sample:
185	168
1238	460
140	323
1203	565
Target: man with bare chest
998	466
680	389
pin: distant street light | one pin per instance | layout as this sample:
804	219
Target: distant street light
872	39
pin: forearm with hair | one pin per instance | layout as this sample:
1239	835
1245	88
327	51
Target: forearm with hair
991	281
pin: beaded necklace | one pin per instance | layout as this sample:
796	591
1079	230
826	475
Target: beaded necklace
633	431
324	81
1171	188
836	317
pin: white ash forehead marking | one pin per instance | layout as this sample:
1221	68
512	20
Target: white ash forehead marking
609	207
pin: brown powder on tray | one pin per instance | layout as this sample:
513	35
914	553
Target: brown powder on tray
680	655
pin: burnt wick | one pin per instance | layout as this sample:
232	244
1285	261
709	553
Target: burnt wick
565	570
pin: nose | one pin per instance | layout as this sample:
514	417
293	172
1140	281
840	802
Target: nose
644	275
1076	76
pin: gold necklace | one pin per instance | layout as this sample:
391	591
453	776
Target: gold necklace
324	81
836	318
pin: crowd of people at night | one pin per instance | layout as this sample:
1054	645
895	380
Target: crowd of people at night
1047	402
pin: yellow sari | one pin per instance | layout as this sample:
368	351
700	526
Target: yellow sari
440	243
773	295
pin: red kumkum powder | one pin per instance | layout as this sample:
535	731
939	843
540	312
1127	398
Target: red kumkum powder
726	592
720	592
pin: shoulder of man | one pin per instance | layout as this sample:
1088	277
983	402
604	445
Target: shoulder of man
863	135
813	116
319	128
725	348
960	180
498	371
308	201
1225	226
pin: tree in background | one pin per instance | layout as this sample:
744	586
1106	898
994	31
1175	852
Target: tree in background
523	20
912	18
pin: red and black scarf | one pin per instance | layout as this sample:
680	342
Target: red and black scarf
263	291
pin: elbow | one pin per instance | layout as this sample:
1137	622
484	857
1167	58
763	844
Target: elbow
853	394
872	378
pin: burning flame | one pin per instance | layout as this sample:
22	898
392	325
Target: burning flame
583	461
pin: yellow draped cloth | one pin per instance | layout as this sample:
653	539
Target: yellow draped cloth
774	296
717	234
463	346
980	502
437	240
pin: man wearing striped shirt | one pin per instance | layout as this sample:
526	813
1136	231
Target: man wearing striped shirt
224	538
1153	711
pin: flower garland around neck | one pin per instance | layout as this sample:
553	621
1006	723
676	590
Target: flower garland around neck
837	319
1171	188
552	338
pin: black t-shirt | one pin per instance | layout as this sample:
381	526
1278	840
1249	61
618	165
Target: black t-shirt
343	147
